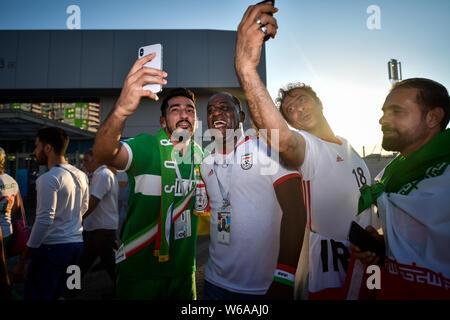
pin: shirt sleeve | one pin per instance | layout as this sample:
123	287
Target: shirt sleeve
312	151
47	187
139	152
284	174
130	156
271	164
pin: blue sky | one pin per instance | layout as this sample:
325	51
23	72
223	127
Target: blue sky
324	43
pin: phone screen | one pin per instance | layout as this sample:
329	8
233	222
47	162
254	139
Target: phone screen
365	241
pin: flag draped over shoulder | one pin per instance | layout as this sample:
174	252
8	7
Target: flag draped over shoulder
409	170
413	200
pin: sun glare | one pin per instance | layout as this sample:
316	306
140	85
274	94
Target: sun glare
353	112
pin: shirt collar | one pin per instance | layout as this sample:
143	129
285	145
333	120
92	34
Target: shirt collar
99	169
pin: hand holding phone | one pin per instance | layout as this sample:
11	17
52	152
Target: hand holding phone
273	4
156	63
360	237
267	37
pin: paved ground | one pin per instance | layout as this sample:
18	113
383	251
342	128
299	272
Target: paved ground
97	285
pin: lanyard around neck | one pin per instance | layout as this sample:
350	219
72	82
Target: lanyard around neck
180	178
225	188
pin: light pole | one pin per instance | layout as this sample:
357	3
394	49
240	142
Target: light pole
395	71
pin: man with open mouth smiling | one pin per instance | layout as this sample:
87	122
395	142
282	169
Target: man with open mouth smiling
179	118
224	114
247	208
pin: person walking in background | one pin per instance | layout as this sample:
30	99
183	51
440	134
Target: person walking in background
124	191
100	221
10	201
56	240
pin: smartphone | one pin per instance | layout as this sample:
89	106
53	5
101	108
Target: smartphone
156	63
360	237
273	4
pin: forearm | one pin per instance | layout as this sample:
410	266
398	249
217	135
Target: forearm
262	109
27	253
107	141
87	213
47	193
93	203
291	239
293	221
38	233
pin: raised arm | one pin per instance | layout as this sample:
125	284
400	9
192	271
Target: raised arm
107	147
264	113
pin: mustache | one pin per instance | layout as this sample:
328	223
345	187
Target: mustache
388	129
181	121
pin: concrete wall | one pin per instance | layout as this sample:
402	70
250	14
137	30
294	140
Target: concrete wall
101	59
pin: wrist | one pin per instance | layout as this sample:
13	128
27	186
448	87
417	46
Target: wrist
284	274
245	70
119	113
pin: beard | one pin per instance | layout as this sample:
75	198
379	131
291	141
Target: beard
41	158
398	141
178	134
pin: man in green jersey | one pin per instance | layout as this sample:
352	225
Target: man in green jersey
157	256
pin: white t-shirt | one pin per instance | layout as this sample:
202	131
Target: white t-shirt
104	186
124	191
62	199
247	264
8	192
332	174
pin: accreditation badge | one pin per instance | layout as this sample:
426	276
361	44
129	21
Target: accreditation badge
224	225
182	226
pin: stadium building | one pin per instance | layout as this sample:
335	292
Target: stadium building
72	78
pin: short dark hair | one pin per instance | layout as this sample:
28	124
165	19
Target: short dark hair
283	92
431	95
235	100
177	92
56	137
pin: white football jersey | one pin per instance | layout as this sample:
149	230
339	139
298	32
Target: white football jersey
246	264
332	174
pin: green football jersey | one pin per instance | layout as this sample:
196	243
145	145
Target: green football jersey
144	203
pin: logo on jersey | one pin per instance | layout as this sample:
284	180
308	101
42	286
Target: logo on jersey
339	159
247	161
211	173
